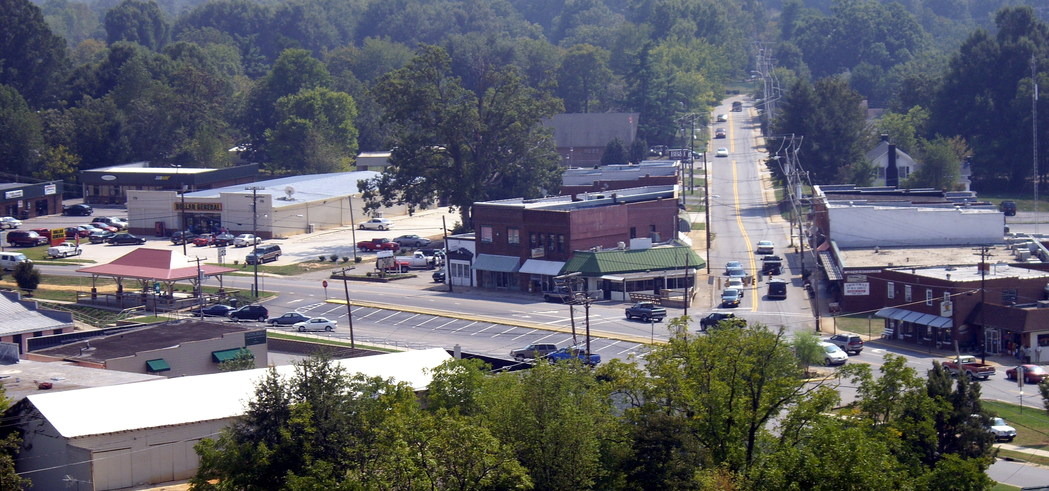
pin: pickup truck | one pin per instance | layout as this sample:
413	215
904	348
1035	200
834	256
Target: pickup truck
417	260
65	249
646	311
572	353
378	245
970	366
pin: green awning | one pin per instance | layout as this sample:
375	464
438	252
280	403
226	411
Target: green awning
226	355
158	365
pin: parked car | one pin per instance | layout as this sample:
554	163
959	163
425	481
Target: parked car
412	241
250	312
1008	208
731	297
438	276
765	247
25	238
378	244
217	310
44	232
1033	374
721	152
181	236
832	354
849	343
316	324
126	239
289	319
10	222
100	236
573	353
1001	430
244	240
533	351
91	228
376	224
79	209
223	240
104	226
263	254
64	249
204	240
74	232
714	318
114	222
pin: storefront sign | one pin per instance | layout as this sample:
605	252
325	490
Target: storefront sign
215	207
856	278
538	252
857	289
946	308
863	271
13	194
50	189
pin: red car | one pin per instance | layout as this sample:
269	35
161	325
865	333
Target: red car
1033	374
204	240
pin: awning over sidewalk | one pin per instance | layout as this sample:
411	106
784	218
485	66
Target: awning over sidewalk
541	267
495	262
904	315
830	266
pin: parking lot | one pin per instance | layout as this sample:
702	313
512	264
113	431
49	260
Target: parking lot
298	248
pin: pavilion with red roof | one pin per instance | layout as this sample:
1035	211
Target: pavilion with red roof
150	267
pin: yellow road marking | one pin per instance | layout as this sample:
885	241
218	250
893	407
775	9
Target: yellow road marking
746	238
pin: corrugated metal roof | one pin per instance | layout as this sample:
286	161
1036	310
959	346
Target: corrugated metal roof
185	400
18	318
307	188
614	261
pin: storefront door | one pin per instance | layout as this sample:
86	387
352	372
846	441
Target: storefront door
992	340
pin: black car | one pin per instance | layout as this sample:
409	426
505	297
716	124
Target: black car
125	239
250	312
217	310
287	319
438	276
100	236
222	240
180	237
1008	208
714	318
78	210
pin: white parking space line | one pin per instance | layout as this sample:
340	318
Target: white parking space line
406	320
612	344
485	329
628	350
432	318
392	314
464	327
297	300
530	331
506	331
369	314
547	336
451	321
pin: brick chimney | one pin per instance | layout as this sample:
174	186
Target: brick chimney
892	173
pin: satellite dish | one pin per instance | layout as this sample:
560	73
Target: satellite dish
289	191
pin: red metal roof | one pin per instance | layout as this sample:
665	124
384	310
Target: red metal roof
154	264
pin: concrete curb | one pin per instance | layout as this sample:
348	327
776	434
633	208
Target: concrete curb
495	320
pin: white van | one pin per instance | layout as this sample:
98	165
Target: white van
8	260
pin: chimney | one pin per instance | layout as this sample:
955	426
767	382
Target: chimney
884	137
892	173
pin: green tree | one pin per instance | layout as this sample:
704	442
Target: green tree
463	145
33	58
829	116
807	348
583	76
244	360
638	150
457	385
23	140
615	153
10	444
137	21
27	277
314	132
941	164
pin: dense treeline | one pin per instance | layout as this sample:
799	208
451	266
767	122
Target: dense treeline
728	410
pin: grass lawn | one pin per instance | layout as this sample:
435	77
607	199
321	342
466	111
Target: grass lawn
1004	487
1032	427
1024	201
860	324
288	269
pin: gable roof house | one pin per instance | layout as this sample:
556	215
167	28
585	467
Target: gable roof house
581	137
893	164
21	320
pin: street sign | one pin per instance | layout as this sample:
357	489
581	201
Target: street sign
384	254
156	287
324	283
222	251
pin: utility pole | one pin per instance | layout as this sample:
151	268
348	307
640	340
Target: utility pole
200	289
984	253
349	308
706	205
568	279
182	208
255	231
1034	128
446	266
353	230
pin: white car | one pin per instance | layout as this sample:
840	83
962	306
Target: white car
722	152
316	324
1001	430
832	354
765	247
722	118
244	240
10	222
735	282
376	224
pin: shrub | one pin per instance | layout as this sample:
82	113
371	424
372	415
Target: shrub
345	259
334	257
321	258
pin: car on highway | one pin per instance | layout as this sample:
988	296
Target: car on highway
832	354
125	239
10	222
376	224
722	152
217	310
316	324
735	282
412	240
250	312
722	118
533	351
731	297
719	133
765	247
731	265
245	240
712	319
777	289
78	209
289	319
1033	374
737	273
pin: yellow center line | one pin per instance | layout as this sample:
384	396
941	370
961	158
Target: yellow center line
746	238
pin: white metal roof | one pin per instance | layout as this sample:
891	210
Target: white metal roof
185	400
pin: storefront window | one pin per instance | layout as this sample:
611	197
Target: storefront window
486	234
891	293
513	236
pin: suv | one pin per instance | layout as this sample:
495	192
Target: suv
263	254
180	237
849	343
533	351
1008	207
250	312
25	238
